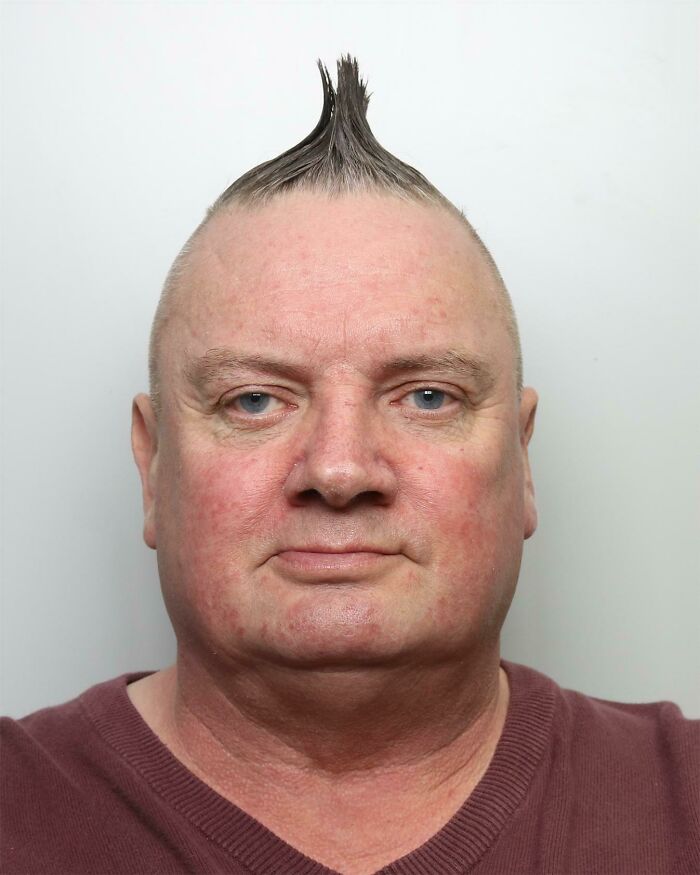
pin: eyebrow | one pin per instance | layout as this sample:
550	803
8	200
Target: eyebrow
218	363
452	361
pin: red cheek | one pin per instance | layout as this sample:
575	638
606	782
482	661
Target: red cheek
218	500
229	618
466	499
471	528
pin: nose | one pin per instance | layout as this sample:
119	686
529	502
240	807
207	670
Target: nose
342	462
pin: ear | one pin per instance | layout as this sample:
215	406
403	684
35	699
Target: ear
144	443
528	409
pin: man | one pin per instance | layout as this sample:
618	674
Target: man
335	478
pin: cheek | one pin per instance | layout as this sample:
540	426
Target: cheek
476	506
216	516
218	498
466	528
463	495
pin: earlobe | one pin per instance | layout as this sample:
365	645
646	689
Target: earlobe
144	444
528	409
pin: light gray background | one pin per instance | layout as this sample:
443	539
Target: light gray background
569	132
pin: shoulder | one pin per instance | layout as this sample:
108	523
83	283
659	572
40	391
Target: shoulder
584	719
49	747
647	756
615	758
654	731
30	742
56	728
632	754
618	784
52	779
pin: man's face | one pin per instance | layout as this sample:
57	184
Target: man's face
339	472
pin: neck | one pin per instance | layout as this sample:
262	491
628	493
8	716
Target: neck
383	759
335	722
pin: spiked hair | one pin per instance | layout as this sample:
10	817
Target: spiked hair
340	156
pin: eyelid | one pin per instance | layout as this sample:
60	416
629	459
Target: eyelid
228	399
453	403
451	391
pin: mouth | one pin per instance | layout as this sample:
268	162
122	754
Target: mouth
321	565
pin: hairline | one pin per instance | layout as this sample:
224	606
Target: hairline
172	286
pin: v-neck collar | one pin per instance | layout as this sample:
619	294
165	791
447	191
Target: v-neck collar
455	849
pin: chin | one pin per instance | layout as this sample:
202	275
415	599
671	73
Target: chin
341	633
330	658
330	646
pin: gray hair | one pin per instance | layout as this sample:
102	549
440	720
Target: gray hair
340	156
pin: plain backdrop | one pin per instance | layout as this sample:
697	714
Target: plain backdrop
568	131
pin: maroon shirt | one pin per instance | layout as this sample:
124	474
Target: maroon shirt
576	785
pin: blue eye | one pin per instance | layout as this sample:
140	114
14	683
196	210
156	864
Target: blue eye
254	402
428	399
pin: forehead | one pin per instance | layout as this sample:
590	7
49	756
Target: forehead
355	276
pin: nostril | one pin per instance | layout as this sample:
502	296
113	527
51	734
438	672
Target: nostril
340	483
310	495
372	496
340	499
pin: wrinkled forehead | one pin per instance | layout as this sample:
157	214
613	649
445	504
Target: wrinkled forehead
372	270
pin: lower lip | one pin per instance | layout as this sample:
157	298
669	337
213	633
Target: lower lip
303	561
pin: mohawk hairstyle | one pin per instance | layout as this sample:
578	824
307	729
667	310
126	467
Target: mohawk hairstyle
341	154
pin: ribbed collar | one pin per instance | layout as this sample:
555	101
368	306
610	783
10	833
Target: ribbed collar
456	848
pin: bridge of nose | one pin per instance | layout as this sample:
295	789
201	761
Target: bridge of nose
341	447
